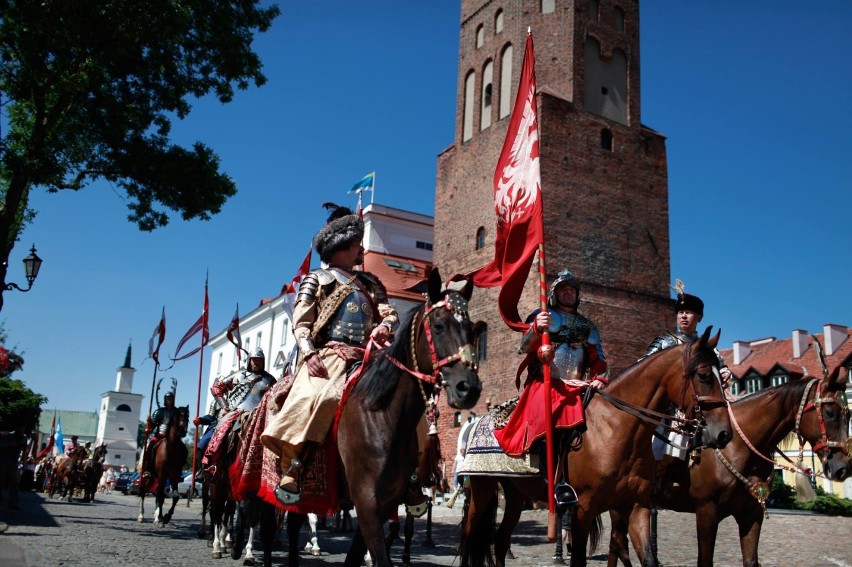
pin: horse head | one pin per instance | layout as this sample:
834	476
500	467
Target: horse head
99	454
707	405
179	422
823	421
446	343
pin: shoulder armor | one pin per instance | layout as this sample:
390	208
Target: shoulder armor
375	285
312	281
324	277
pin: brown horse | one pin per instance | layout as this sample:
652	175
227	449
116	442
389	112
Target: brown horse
815	410
614	467
76	473
93	469
377	435
169	458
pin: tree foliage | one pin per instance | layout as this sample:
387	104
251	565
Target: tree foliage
18	404
89	91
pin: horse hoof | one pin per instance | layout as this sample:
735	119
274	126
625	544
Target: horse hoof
316	552
248	561
217	555
140	519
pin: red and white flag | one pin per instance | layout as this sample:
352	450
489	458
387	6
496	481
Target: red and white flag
517	201
159	336
49	447
297	279
233	333
200	326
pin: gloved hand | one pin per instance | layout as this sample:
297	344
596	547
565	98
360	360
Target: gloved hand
196	421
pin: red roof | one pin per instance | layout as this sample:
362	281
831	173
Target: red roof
767	354
404	278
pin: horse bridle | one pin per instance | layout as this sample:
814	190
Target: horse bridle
700	404
838	398
457	305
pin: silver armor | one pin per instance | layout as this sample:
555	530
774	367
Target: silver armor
256	392
353	321
570	333
668	340
161	418
240	389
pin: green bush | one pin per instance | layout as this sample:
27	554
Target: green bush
781	495
829	504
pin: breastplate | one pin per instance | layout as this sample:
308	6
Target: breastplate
569	335
165	418
239	392
353	321
256	393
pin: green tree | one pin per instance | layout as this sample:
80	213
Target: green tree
18	404
89	90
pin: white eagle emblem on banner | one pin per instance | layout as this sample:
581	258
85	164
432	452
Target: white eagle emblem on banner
518	188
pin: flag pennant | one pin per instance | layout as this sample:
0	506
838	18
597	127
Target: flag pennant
517	201
200	326
50	441
58	441
234	334
364	184
304	268
159	336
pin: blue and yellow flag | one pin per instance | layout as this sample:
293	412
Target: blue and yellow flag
365	184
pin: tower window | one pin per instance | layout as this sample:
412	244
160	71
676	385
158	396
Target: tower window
606	139
506	82
480	35
457	419
594	10
619	19
123	407
480	238
480	341
498	22
487	88
548	6
467	117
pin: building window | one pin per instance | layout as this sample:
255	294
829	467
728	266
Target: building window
285	330
548	6
498	22
734	388
116	457
506	82
480	238
619	19
594	10
480	35
424	245
457	419
487	77
480	341
123	407
752	385
606	139
219	364
467	118
778	379
258	341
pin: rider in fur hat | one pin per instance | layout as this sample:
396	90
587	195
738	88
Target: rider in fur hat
338	310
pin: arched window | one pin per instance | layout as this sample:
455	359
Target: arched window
480	341
457	419
487	78
467	118
498	22
605	82
606	139
619	19
480	238
594	10
480	35
506	82
123	407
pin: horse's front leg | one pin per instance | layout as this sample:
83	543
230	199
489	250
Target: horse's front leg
511	516
618	544
371	530
141	517
159	500
294	526
168	516
356	551
312	546
749	526
707	524
640	533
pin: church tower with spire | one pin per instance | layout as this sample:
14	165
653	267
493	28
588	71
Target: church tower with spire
118	419
603	174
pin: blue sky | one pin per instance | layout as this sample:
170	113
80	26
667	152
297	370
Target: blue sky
753	97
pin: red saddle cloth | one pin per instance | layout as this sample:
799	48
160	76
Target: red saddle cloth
527	423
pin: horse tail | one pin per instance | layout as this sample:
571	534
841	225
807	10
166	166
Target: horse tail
595	534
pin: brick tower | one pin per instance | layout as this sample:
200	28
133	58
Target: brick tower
603	175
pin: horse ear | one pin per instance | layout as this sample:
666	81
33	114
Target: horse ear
835	382
715	340
434	286
705	337
467	290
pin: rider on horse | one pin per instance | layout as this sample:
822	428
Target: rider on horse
337	312
578	355
158	424
241	392
77	453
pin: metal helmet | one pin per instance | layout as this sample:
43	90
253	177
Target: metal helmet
565	277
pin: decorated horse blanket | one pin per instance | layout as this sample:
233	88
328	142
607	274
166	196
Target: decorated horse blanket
485	456
319	477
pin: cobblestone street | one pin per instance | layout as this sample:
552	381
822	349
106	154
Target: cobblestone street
51	533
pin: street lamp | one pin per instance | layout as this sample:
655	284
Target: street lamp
32	264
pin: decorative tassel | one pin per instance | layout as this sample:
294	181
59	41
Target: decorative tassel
804	490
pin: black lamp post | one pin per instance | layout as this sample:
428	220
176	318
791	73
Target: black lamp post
32	264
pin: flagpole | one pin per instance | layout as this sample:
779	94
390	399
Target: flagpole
204	327
545	355
148	419
373	189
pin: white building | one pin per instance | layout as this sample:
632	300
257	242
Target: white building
398	248
118	419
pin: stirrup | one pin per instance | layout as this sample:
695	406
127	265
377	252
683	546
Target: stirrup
565	496
287	498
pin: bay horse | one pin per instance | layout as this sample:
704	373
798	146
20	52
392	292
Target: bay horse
432	351
613	468
169	458
731	481
92	470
